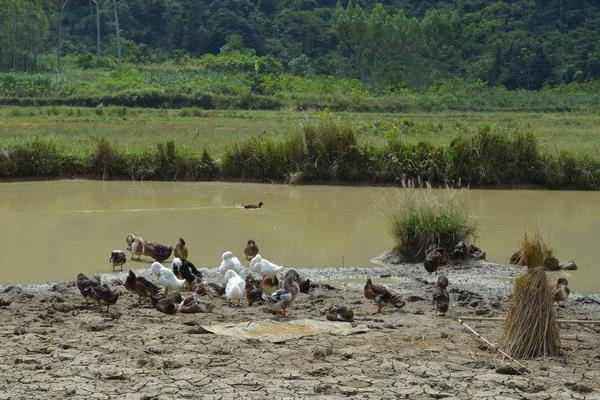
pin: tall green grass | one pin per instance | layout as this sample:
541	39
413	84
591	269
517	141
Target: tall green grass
323	152
326	151
417	223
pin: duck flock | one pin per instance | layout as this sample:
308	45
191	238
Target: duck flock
258	284
263	283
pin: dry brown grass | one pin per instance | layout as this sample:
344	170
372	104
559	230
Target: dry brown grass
531	329
533	251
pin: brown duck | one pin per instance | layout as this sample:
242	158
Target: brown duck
269	284
561	291
167	304
141	286
157	251
104	295
84	284
381	296
180	250
251	249
339	313
253	291
139	247
441	298
194	304
435	257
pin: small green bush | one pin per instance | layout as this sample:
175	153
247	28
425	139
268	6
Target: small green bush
37	158
417	224
106	162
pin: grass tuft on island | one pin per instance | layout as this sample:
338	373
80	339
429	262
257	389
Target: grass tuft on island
327	151
421	220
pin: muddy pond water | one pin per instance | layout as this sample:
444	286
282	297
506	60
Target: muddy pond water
52	230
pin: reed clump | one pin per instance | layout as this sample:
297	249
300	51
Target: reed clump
421	219
531	329
327	151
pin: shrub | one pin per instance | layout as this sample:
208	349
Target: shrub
106	161
259	158
418	223
37	158
167	166
492	158
398	161
332	153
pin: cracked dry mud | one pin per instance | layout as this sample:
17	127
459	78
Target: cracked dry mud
52	347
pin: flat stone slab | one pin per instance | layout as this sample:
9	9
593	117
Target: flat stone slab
278	332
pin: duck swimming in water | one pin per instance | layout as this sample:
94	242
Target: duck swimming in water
259	205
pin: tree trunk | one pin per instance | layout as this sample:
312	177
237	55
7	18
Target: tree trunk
14	37
117	31
61	15
97	28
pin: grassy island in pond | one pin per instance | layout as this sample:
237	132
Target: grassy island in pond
420	221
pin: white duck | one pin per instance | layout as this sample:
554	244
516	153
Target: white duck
235	288
166	277
264	267
230	262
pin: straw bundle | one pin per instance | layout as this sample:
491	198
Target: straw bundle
531	329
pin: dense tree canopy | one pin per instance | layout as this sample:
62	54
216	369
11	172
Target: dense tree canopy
385	43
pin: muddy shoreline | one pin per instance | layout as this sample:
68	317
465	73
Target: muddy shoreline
54	347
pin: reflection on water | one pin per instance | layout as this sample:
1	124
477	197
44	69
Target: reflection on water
52	230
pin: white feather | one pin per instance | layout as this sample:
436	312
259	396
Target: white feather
236	286
230	262
264	267
166	277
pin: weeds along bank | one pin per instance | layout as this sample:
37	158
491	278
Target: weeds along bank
326	152
226	82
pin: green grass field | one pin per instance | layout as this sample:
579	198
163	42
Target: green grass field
134	129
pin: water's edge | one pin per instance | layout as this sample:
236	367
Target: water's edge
488	280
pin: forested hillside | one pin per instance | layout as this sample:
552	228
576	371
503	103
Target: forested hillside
387	44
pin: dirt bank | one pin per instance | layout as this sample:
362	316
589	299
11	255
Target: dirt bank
53	347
